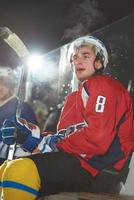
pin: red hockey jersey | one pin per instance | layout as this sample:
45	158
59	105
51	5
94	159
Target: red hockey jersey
100	115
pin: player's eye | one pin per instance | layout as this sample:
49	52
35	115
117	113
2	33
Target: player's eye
85	56
74	58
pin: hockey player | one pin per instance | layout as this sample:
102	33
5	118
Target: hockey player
8	104
95	133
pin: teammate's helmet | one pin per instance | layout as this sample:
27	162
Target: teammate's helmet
101	51
7	77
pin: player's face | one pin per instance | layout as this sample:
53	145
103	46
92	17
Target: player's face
84	63
4	92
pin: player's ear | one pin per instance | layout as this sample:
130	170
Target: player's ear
98	64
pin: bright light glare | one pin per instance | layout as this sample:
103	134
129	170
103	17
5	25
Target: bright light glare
34	61
41	68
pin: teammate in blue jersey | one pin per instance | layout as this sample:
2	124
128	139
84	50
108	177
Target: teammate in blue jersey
8	105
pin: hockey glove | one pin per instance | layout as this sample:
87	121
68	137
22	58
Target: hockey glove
27	135
29	132
8	132
48	143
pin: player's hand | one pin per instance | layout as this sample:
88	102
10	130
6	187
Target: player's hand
8	132
28	134
48	143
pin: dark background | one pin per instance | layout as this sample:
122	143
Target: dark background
44	24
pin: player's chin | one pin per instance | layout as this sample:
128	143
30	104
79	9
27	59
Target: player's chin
81	76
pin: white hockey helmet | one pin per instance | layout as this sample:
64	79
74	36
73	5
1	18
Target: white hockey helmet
7	76
101	50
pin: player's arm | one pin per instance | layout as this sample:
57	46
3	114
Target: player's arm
28	137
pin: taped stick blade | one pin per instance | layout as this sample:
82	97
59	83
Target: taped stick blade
17	45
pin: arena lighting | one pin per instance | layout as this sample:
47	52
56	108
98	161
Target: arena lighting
34	61
41	68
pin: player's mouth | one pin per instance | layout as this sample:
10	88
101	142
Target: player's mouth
80	69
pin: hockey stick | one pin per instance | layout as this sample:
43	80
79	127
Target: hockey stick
14	42
18	46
